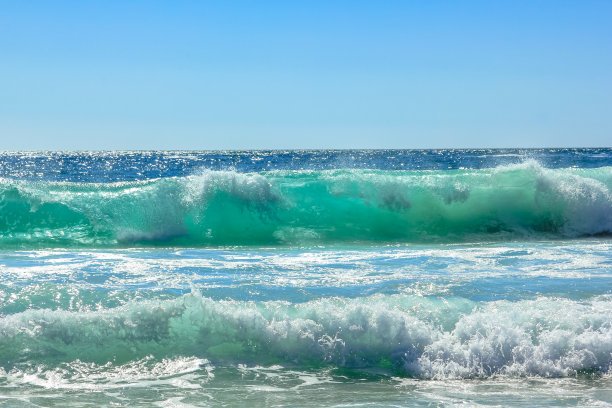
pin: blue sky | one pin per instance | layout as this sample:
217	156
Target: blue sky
316	74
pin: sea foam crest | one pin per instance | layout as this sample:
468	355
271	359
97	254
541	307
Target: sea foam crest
586	201
246	186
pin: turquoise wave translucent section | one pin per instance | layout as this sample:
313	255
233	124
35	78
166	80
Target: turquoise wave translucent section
221	208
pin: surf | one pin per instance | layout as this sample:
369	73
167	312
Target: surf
310	207
406	335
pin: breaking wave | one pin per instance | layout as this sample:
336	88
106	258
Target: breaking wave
401	334
220	208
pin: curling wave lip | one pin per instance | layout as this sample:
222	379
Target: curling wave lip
304	207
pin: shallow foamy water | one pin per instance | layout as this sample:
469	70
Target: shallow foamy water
509	324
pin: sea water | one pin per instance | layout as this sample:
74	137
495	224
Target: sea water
306	278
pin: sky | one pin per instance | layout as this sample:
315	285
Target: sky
200	75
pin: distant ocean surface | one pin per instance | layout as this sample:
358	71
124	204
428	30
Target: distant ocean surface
306	278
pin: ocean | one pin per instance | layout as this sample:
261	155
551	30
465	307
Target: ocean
474	277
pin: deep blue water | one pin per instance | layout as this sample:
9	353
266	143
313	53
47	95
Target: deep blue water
104	167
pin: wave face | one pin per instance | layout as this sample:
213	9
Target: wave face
220	208
409	335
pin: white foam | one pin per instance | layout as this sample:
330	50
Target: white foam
188	372
427	337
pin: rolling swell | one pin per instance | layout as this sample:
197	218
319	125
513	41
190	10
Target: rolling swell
217	208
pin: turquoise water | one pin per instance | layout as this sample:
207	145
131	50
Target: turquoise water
349	286
298	207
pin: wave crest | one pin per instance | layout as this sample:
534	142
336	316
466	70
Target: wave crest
292	207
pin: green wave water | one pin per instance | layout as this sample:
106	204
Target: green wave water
220	208
405	335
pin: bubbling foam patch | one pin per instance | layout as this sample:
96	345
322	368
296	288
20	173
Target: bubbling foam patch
405	334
